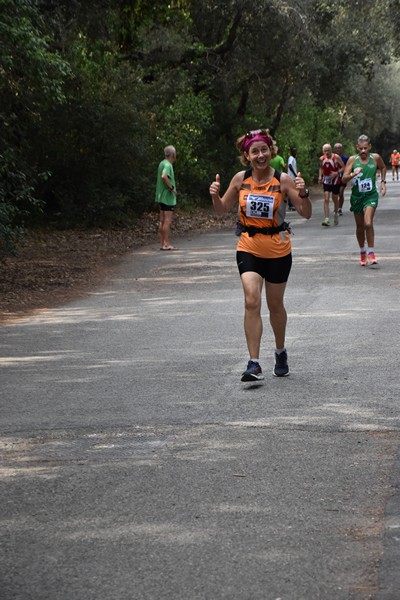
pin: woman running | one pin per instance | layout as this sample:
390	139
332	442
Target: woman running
264	248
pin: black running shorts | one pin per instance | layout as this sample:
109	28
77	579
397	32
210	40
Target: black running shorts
273	270
166	207
335	189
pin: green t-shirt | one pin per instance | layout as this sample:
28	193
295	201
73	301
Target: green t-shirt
277	163
163	193
364	184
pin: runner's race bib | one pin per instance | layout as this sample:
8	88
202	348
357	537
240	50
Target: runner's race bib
260	207
327	180
365	185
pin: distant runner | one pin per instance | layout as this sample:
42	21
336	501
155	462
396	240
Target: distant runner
361	170
330	167
338	149
395	161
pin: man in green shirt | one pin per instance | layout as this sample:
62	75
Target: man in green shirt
361	171
166	195
277	162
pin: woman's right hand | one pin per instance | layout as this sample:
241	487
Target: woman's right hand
215	186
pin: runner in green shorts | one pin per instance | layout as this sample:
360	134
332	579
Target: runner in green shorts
361	170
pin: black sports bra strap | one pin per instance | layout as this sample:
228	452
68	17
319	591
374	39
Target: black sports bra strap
277	174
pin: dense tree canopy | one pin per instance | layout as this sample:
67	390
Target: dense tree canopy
90	95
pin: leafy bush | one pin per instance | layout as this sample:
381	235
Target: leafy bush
31	80
185	124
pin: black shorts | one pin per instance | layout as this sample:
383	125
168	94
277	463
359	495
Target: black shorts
273	270
335	189
166	207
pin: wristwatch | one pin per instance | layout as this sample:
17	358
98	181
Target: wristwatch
306	195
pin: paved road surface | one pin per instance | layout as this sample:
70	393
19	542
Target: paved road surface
136	466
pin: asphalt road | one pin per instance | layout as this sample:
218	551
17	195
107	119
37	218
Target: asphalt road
136	466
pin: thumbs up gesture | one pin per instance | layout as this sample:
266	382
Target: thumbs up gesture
299	183
215	186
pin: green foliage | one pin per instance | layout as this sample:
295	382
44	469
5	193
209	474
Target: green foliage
10	234
308	129
100	177
10	187
184	124
16	203
31	80
89	98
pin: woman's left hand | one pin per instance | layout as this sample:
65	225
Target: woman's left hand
299	183
300	198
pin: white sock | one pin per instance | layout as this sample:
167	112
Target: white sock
363	250
280	350
256	360
370	250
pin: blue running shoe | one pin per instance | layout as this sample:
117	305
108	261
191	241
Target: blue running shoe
281	368
253	372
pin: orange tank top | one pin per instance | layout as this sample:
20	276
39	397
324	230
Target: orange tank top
263	205
395	159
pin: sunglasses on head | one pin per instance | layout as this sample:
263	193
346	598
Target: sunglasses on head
258	132
250	134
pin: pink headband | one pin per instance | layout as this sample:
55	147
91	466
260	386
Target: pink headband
248	141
